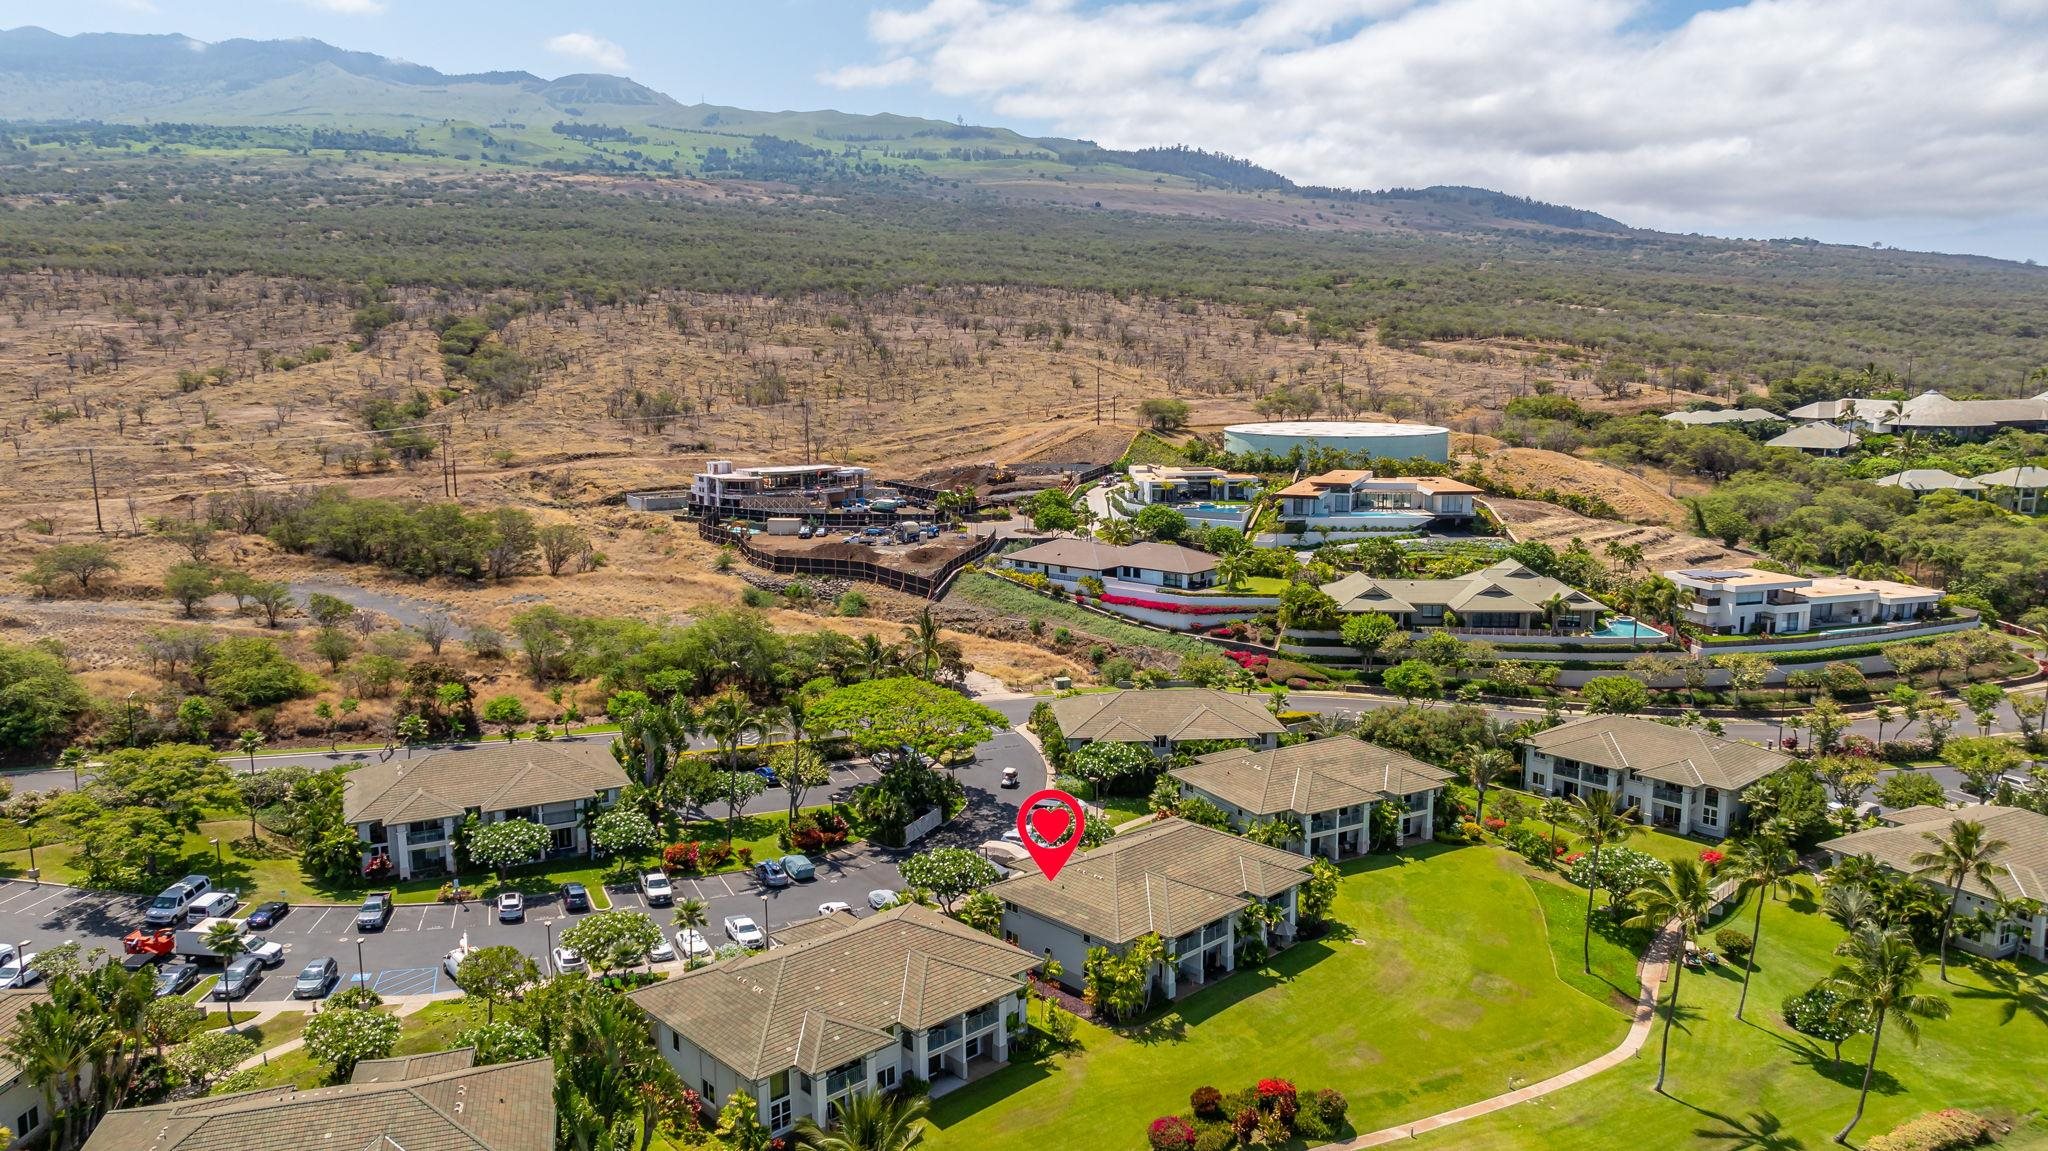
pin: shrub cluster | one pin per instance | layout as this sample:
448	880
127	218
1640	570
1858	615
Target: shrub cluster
1270	1113
1942	1130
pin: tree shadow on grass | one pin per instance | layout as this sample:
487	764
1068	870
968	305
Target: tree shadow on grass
1846	1073
1757	1131
2013	991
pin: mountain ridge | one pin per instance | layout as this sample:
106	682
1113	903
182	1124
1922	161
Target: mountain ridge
125	78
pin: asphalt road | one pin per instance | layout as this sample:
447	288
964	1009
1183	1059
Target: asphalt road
405	957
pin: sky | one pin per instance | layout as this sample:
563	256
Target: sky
1913	123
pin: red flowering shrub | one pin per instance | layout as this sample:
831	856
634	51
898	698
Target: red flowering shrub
1171	1133
814	832
1220	632
1574	857
1207	1103
1248	659
746	856
1168	606
1246	1124
1495	824
714	854
1278	1096
1711	858
679	857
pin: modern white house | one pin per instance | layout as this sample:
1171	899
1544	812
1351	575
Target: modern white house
2019	870
1325	787
407	812
1352	500
1751	601
2018	489
722	488
842	1007
1502	598
1182	881
22	1107
1677	778
1163	719
1189	483
1146	565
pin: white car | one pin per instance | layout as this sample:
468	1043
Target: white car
453	959
269	951
664	952
219	905
16	972
881	897
655	886
742	929
833	907
567	962
511	907
692	944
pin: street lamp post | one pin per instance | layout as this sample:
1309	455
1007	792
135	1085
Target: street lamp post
359	961
35	873
547	960
217	859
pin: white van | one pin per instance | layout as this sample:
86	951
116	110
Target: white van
168	909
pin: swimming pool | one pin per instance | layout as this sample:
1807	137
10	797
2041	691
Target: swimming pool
1627	627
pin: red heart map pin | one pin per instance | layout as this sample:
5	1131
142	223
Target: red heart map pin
1041	822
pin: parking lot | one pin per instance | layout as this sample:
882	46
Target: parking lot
405	957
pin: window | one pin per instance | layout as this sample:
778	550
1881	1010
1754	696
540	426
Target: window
708	1093
778	1114
885	1078
1536	778
28	1121
675	1040
1710	817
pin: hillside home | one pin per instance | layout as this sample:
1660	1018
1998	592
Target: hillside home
1921	481
723	489
1750	601
1819	439
1350	500
1173	484
2018	872
1724	417
1325	787
1505	597
23	1110
1930	412
1163	719
1676	778
2017	489
1146	565
851	1006
406	812
1185	882
433	1101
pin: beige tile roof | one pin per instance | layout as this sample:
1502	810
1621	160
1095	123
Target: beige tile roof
491	777
1178	713
1506	586
833	997
1929	480
805	930
2020	870
1814	437
2021	477
13	1002
1170	877
1682	755
413	1066
1096	556
505	1107
1317	776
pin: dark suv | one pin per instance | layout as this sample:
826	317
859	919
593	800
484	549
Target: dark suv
375	912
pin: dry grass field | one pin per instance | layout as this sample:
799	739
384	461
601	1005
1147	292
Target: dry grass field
167	391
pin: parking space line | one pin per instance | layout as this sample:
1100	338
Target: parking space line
315	925
54	893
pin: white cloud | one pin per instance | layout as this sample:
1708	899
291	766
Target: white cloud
1769	111
901	70
595	51
347	7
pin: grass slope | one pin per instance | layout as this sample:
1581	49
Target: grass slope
1758	1084
1436	1004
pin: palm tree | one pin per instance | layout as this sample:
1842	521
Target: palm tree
1553	811
1680	900
1879	971
1117	532
1964	855
868	1121
728	721
1761	867
1553	610
53	1044
876	660
249	743
926	644
1598	823
1482	766
1232	568
1657	598
226	940
692	914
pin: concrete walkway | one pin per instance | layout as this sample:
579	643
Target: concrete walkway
1653	968
400	1005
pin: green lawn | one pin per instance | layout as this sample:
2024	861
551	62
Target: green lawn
759	834
1448	992
1250	585
431	1028
1757	1084
272	1032
1010	599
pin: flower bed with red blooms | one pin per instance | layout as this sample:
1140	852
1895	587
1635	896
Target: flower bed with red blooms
1711	858
1166	606
1171	1133
1248	659
1271	1113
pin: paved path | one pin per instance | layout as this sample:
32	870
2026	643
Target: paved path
1655	965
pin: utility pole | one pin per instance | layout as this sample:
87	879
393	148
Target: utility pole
92	463
1098	395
